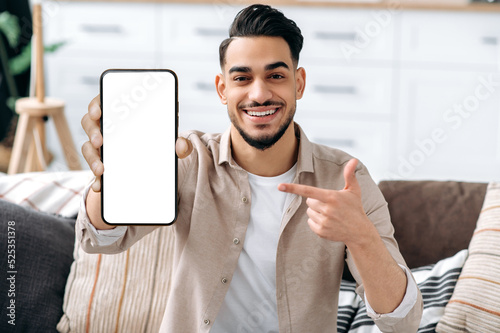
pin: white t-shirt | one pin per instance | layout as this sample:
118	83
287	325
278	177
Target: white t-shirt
250	302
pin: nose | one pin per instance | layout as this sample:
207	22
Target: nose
259	92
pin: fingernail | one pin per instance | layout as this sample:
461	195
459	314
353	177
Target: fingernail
282	187
183	146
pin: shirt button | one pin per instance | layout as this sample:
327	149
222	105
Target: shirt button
206	322
236	241
244	199
223	280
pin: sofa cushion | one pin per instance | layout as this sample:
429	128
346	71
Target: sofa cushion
36	259
125	292
436	282
475	305
50	192
432	219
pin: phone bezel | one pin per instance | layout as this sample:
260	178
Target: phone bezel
123	70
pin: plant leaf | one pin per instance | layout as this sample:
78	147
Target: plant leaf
11	103
22	61
53	47
9	25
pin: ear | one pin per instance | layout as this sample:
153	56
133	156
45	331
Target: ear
300	82
220	85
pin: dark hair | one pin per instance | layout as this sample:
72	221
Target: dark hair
263	20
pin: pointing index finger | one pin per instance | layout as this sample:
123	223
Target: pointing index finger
303	190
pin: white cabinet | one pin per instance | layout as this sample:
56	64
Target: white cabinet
348	92
448	103
460	39
452	125
380	84
344	34
97	36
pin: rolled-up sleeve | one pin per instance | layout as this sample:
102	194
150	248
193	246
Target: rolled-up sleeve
407	303
109	241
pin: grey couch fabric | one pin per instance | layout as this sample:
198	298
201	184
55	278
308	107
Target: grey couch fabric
43	256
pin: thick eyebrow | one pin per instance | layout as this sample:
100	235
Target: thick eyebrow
242	69
275	65
270	67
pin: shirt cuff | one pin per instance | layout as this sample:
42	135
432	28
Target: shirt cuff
99	237
406	305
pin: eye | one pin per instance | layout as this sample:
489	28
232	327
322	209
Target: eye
277	76
240	78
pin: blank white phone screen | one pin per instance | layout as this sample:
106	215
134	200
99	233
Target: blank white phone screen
139	127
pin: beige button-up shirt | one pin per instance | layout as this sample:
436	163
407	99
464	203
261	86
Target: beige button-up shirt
214	210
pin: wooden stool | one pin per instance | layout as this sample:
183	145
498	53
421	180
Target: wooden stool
29	152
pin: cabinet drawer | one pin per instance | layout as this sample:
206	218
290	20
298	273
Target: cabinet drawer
345	34
104	28
202	118
195	30
196	81
369	141
451	38
348	91
450	125
79	78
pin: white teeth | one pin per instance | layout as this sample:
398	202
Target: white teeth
262	114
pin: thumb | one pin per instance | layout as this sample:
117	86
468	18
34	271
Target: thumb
351	183
183	147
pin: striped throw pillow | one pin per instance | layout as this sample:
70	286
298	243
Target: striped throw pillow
475	304
436	282
125	292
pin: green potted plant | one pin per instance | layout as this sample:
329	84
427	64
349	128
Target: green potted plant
11	67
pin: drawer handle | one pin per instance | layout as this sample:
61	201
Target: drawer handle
212	32
102	28
204	86
329	35
347	143
490	40
347	90
89	80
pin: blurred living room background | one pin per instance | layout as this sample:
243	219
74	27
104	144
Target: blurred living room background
411	88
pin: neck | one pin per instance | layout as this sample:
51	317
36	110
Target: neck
270	162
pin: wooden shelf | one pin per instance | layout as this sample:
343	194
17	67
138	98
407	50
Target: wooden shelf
384	4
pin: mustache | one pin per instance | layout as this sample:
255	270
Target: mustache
256	104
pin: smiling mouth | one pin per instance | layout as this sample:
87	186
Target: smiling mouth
261	113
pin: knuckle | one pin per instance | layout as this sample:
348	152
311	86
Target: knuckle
329	210
331	196
84	120
87	149
310	212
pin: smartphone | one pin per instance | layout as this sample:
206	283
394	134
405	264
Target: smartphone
139	124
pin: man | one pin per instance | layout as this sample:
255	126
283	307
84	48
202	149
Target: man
252	254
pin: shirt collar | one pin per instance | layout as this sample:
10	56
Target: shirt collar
305	159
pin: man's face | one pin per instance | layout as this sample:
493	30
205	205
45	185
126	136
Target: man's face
260	86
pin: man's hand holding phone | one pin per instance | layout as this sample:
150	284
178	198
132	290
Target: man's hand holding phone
132	127
90	149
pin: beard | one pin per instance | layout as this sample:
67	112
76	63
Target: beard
267	141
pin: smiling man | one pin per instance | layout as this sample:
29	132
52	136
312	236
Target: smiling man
266	218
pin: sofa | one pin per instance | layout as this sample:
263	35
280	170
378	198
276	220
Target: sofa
49	284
